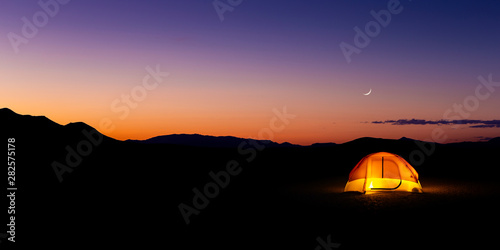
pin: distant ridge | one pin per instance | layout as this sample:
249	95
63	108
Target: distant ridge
208	141
42	127
406	139
324	144
495	140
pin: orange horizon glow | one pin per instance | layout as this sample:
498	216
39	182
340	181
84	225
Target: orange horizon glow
143	126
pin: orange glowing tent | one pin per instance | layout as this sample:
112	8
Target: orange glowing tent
383	172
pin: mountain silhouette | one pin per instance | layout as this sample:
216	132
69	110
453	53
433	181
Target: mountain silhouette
495	141
40	126
207	141
43	135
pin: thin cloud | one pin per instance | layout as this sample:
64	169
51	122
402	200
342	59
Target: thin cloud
483	138
485	126
471	123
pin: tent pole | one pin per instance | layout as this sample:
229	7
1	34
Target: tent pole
382	167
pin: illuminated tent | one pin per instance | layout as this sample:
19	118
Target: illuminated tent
383	172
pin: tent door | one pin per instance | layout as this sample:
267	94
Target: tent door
386	172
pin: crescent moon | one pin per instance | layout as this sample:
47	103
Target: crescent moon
369	92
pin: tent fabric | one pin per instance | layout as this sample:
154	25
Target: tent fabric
383	172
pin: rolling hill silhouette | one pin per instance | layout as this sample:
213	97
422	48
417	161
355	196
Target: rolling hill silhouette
41	136
207	141
127	193
42	127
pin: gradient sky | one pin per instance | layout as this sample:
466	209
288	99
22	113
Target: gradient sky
226	77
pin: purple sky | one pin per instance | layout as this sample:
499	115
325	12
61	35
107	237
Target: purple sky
226	77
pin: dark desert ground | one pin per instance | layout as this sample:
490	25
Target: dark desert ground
127	194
